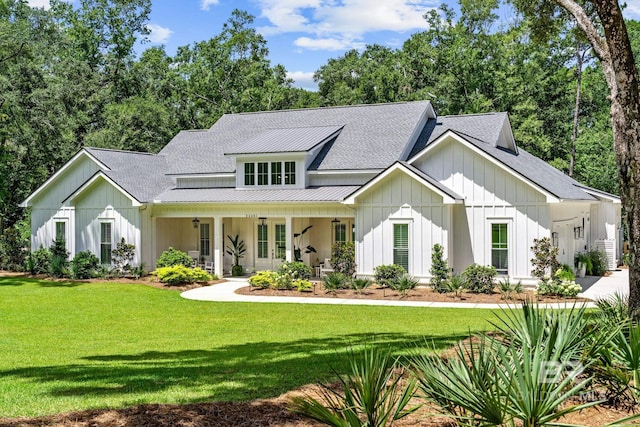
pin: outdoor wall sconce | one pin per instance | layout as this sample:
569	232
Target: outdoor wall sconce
554	239
578	232
195	222
262	220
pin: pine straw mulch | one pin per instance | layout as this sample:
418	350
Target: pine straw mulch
274	412
420	293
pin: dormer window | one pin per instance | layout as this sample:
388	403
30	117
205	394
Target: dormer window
289	173
270	173
249	174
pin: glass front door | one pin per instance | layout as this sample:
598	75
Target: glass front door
270	245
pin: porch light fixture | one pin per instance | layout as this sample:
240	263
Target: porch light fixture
195	222
262	220
554	239
578	232
335	220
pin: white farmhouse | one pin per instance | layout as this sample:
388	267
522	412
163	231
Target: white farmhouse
393	178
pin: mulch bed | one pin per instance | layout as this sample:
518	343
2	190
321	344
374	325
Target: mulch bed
421	293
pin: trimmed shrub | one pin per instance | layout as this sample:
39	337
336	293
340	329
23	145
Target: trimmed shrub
479	279
439	269
296	269
179	274
172	257
59	266
386	274
302	285
599	262
263	279
40	261
343	258
84	265
559	288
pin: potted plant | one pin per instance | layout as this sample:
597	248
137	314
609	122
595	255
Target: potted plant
297	245
237	250
581	261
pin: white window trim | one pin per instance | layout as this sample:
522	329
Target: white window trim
241	183
113	233
510	242
409	223
66	221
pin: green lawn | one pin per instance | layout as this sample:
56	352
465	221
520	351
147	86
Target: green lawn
67	346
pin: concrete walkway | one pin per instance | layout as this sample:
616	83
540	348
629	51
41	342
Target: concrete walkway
594	287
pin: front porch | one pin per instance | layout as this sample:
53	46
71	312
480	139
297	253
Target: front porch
269	240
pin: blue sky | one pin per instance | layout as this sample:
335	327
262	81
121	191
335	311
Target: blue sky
301	34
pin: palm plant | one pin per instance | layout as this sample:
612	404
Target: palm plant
372	395
237	250
456	285
359	284
404	284
334	281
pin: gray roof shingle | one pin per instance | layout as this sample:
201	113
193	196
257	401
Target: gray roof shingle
286	140
372	137
141	175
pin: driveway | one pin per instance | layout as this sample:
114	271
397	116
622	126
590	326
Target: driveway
594	287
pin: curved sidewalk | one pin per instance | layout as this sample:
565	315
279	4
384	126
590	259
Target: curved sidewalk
225	292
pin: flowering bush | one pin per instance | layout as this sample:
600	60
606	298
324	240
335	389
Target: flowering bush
559	288
296	269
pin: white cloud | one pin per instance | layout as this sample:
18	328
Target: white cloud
632	10
341	24
303	79
159	34
327	44
352	17
206	4
39	3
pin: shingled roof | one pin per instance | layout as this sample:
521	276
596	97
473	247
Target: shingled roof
142	175
377	135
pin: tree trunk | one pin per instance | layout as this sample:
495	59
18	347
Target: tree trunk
616	59
576	112
625	119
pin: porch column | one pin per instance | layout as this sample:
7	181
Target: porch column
288	238
153	249
218	251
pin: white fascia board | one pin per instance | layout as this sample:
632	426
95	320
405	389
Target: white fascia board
344	171
205	175
59	172
601	195
93	179
446	199
551	198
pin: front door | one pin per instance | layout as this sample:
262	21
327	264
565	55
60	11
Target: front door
270	245
565	241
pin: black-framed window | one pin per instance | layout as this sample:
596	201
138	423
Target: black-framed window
263	173
289	173
276	173
205	240
249	174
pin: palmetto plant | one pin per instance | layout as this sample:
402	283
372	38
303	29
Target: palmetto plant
373	394
520	376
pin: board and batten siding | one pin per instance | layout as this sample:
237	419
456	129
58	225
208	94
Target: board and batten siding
492	195
400	199
48	207
102	202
